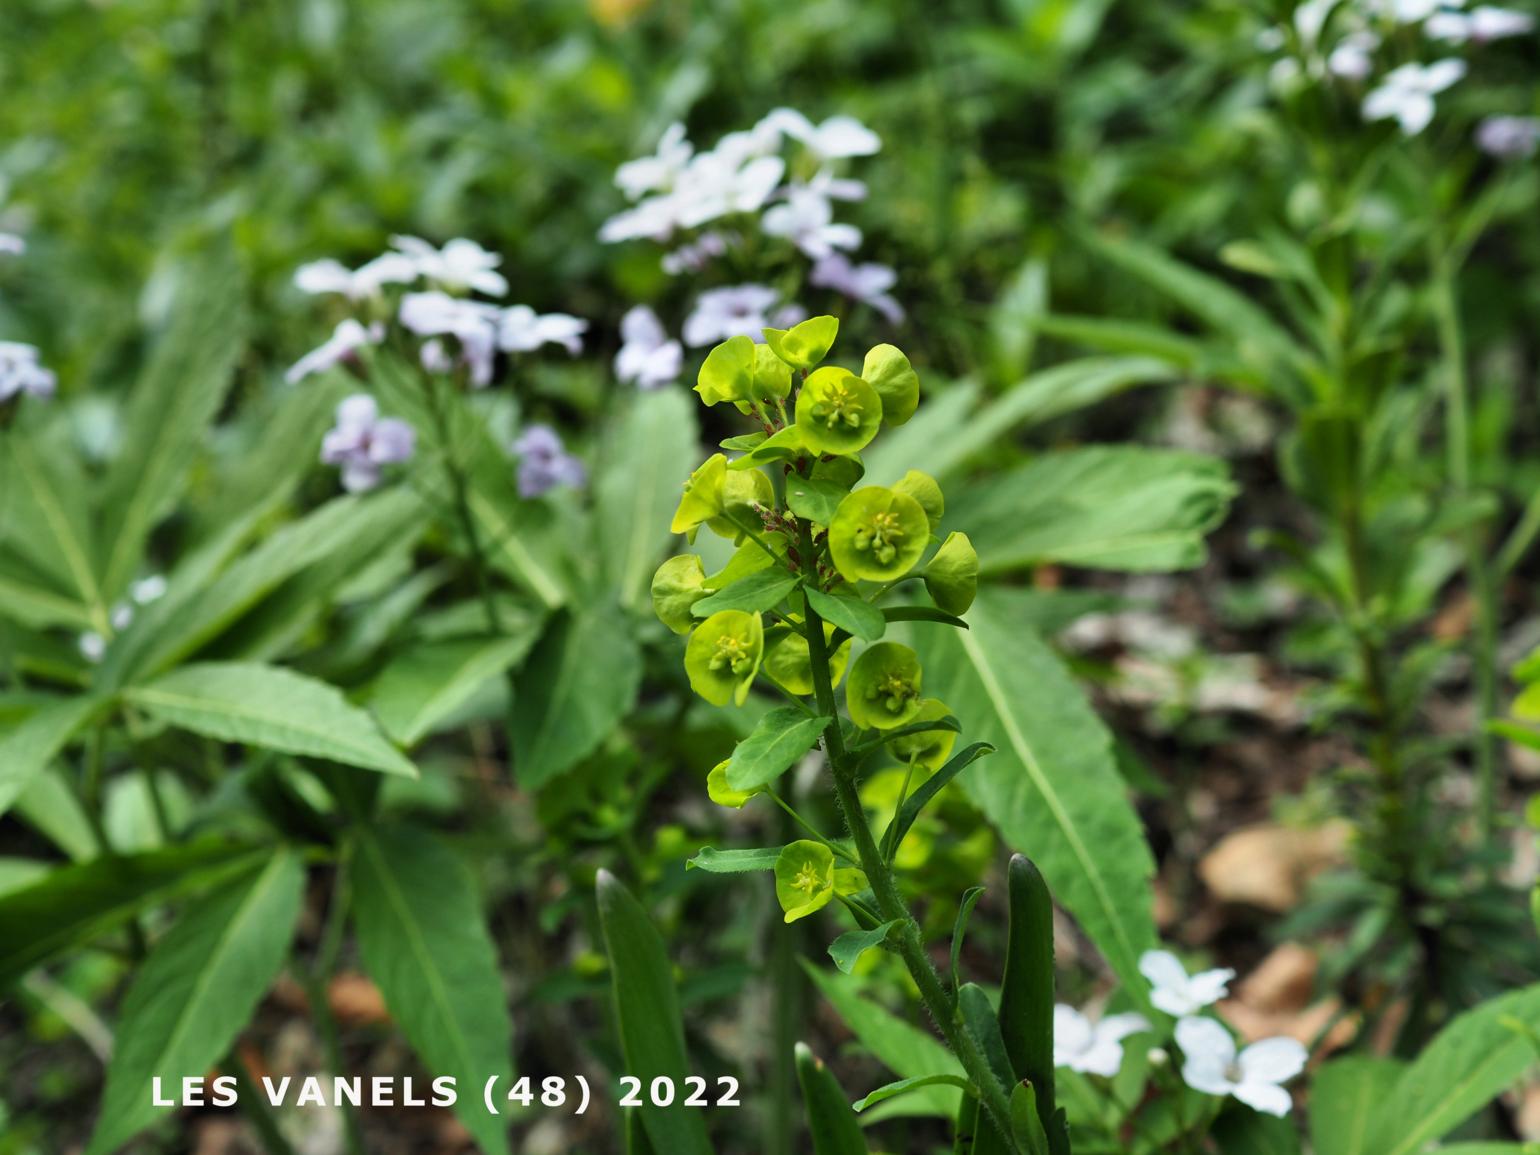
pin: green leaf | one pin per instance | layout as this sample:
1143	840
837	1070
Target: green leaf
1241	1131
835	1129
782	736
1343	1096
893	837
196	991
1027	994
27	599
904	1086
905	1050
271	707
573	691
637	486
1468	1064
47	521
1013	317
850	946
1107	507
647	1009
814	499
979	1020
715	861
169	410
761	590
1053	790
424	941
77	904
970	899
26	751
423	686
856	617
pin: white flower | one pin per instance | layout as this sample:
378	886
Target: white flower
11	243
1255	1076
473	323
716	186
1406	94
331	276
837	137
92	646
362	442
1173	991
1509	137
346	340
147	590
806	218
1353	58
1404	11
648	358
656	173
22	372
868	283
654	219
461	264
520	329
1480	25
731	312
693	257
1092	1048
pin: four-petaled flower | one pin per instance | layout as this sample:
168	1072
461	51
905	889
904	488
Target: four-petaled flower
22	372
648	357
1255	1076
806	218
1174	991
835	138
544	462
521	330
1509	137
736	311
362	442
868	283
460	264
329	276
346	340
1406	94
1092	1048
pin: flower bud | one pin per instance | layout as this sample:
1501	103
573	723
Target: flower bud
952	577
727	374
723	655
923	488
677	585
804	345
837	412
743	491
702	498
888	371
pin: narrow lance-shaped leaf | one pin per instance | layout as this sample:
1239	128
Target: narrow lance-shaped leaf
196	990
424	941
271	707
833	1124
781	737
647	1009
26	751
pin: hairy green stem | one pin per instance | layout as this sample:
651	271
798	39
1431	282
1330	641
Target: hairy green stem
890	904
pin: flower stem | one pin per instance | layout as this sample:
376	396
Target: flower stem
890	905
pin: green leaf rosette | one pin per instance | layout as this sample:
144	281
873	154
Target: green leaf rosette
924	489
952	577
803	345
702	498
787	662
883	691
837	412
721	793
931	748
723	655
877	535
741	493
888	371
677	585
804	878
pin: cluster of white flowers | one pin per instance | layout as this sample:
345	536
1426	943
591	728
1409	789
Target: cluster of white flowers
21	366
1339	38
479	329
93	645
777	177
1211	1062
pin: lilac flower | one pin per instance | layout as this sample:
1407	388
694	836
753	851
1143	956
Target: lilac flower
694	256
1479	25
1255	1076
11	243
648	358
868	283
460	265
787	315
806	218
731	312
835	138
363	441
1509	137
346	340
358	284
473	324
1406	93
521	330
22	372
1353	58
544	462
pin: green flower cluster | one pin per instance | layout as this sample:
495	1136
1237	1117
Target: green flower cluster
817	555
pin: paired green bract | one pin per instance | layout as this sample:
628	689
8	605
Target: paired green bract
813	545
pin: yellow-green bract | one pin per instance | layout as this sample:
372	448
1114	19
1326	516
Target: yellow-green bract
884	687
